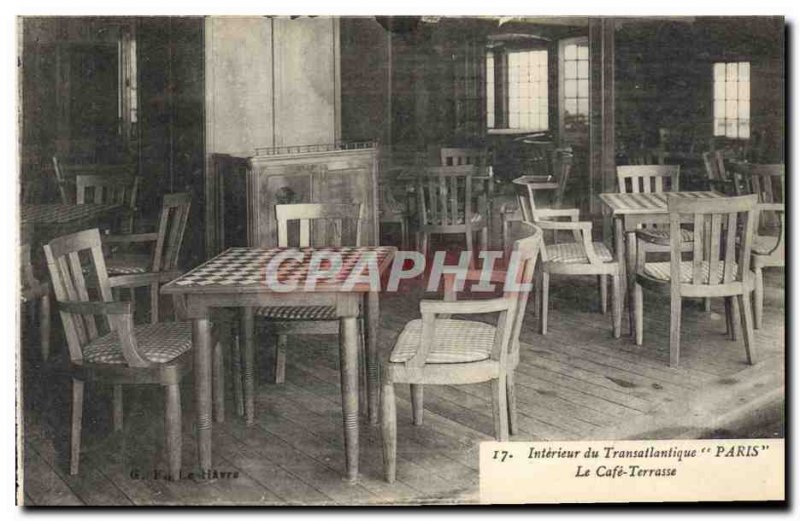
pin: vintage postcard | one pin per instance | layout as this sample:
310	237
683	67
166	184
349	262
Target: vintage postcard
400	260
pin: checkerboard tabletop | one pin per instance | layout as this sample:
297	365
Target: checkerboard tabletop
642	203
246	268
58	213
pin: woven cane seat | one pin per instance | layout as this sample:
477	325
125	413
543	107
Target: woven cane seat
160	343
297	312
572	253
455	341
661	271
128	263
764	244
661	235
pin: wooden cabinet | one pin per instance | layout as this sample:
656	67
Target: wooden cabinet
336	173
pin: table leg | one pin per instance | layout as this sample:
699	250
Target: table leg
371	320
631	268
246	335
201	338
619	239
348	351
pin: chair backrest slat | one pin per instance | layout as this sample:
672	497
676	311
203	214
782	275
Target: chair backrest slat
109	188
648	178
171	229
444	195
335	217
63	256
732	217
463	156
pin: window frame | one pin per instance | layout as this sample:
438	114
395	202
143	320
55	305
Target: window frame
563	133
501	85
726	61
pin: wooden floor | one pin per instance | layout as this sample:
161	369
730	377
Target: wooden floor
577	383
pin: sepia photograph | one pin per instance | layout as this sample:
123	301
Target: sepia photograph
386	260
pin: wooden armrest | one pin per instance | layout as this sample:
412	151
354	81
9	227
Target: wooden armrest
136	280
548	213
585	226
96	307
437	307
771	207
134	237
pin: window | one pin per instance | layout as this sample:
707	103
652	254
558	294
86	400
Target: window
732	99
128	110
574	86
517	90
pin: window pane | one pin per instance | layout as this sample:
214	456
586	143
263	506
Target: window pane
731	109
744	109
583	69
542	121
571	69
744	90
731	72
571	52
719	108
583	52
719	90
583	106
744	128
731	90
571	105
719	127
744	71
719	71
583	88
490	90
730	128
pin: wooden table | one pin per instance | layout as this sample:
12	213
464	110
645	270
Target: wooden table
630	211
238	278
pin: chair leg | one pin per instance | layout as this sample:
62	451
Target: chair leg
75	432
500	407
707	305
172	422
505	224
422	242
603	283
736	323
389	431
616	306
218	382
44	327
404	234
153	302
117	406
758	298
674	330
236	370
470	246
747	321
728	317
416	403
485	239
537	293
132	292
511	397
280	359
638	313
545	283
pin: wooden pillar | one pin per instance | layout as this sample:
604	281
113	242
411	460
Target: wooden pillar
602	163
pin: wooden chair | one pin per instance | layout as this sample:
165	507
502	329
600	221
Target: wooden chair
393	212
445	204
717	174
121	189
435	350
136	270
113	350
580	256
63	185
768	183
331	221
31	292
718	267
477	157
